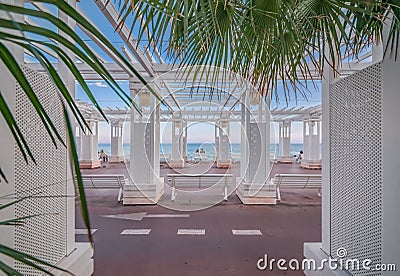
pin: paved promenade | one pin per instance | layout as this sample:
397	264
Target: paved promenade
226	239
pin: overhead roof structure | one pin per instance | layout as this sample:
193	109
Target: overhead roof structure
202	112
184	92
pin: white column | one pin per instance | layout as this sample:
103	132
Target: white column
322	250
184	141
177	160
311	138
53	161
327	79
116	142
146	186
89	146
72	246
284	142
254	186
390	153
223	160
381	97
216	141
69	81
78	140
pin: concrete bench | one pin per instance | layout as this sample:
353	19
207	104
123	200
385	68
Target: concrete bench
105	181
297	181
199	181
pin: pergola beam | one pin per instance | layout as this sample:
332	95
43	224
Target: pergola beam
112	15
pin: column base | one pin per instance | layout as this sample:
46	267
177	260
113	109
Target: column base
143	194
261	194
224	163
285	159
313	251
79	262
92	164
179	163
115	159
311	164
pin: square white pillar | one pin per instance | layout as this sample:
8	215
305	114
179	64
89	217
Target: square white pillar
145	186
223	160
216	141
311	138
284	142
177	160
255	187
116	142
89	146
360	200
50	236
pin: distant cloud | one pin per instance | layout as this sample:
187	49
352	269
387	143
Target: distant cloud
98	84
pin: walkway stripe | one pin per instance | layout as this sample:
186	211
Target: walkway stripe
166	216
191	231
246	232
136	232
84	231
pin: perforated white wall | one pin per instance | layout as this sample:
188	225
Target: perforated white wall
356	166
43	236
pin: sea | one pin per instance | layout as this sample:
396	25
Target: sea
165	149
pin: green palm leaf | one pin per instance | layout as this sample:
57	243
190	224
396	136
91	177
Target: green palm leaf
75	168
264	41
28	260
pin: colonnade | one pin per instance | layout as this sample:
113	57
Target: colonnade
284	142
311	140
87	144
146	185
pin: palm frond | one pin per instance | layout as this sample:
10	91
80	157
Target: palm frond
75	168
28	260
264	41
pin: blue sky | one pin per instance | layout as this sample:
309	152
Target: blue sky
198	133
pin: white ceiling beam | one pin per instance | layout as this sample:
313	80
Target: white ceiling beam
112	15
128	55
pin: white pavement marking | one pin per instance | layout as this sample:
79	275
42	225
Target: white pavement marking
246	232
131	216
191	231
136	232
166	216
140	216
84	231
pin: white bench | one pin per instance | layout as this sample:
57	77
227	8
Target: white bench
105	181
199	181
297	181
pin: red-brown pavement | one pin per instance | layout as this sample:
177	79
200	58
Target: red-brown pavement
284	227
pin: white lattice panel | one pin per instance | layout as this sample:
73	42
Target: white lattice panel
356	166
43	236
